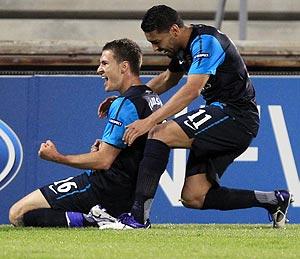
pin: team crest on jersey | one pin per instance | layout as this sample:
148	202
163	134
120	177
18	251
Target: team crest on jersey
115	122
11	155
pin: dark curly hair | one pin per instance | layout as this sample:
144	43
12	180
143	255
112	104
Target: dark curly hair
160	18
126	50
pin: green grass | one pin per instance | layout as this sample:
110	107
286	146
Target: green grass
162	241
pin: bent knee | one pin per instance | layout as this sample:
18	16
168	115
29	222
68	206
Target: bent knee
160	132
156	132
192	201
16	215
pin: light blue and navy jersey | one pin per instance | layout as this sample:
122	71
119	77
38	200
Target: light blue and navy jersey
122	112
211	52
138	102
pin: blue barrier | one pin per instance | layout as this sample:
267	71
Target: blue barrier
64	109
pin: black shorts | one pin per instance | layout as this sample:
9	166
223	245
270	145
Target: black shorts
218	139
80	193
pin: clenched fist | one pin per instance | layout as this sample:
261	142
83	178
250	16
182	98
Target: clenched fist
48	151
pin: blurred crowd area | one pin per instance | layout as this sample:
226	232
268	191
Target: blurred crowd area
73	26
105	20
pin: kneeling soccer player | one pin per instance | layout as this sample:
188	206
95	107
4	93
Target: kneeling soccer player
111	180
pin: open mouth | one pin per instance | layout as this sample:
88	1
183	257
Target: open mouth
167	52
105	78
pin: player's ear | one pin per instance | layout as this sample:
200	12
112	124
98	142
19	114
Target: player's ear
124	66
174	30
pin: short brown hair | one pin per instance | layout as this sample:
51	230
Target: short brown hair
126	50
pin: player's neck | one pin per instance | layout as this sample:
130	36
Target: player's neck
130	81
186	34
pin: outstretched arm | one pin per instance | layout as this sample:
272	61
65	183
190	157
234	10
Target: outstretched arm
101	159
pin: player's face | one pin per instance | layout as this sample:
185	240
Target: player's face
110	70
163	42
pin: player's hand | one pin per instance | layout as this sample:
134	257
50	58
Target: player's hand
96	145
48	151
136	129
104	106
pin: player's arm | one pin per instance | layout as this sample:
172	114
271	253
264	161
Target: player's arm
101	159
181	99
200	70
121	112
164	81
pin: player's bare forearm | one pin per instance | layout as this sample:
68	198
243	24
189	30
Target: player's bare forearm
93	160
185	95
164	81
101	159
179	101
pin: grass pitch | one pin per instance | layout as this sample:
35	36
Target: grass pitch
162	241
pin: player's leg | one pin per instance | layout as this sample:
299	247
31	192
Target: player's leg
213	151
217	140
155	159
35	209
32	201
60	204
198	194
154	163
177	133
78	198
59	218
201	185
171	134
194	191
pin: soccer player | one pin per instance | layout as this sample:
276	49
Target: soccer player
215	134
110	184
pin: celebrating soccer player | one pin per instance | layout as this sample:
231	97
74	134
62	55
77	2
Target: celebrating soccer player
99	195
215	134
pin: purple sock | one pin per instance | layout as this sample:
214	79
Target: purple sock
75	219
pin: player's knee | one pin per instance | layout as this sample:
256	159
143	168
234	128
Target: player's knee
192	201
155	131
15	215
159	132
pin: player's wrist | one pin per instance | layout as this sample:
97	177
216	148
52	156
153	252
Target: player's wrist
152	120
60	158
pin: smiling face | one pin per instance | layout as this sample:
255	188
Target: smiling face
111	71
165	42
